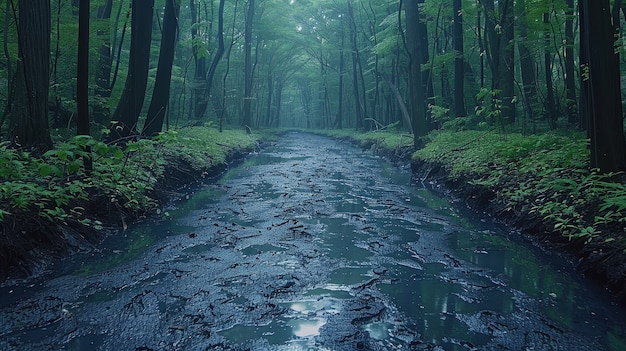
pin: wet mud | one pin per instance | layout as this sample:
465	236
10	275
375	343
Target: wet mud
312	245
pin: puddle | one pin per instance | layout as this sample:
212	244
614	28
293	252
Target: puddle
349	275
261	248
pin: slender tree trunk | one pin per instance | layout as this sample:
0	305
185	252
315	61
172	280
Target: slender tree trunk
200	96
119	51
82	79
279	102
161	90
82	76
103	69
339	120
459	64
481	47
601	91
227	70
355	75
417	93
527	65
126	114
270	91
220	47
247	95
507	61
549	108
9	65
29	126
427	73
570	83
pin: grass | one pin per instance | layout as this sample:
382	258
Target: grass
547	175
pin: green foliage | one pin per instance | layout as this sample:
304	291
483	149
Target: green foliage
543	174
55	187
388	139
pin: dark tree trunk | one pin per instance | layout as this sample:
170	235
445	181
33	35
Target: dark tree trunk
507	61
247	94
492	41
126	114
527	66
570	83
427	75
417	93
220	48
549	107
103	69
82	80
29	126
200	96
270	91
82	76
481	47
279	102
161	92
459	64
9	65
339	120
601	91
355	63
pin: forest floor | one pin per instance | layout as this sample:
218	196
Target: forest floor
50	207
539	184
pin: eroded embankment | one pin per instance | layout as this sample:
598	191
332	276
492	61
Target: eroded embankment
67	210
597	259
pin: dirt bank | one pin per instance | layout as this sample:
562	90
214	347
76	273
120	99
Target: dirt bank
29	242
598	260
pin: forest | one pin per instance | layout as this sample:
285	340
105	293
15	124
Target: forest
101	97
186	163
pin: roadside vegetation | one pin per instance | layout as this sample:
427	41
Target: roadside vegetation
51	203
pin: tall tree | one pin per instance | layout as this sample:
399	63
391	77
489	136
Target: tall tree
339	119
82	76
601	102
161	92
103	69
82	79
417	93
550	104
499	35
459	60
126	115
570	83
220	48
247	95
29	125
527	64
198	47
506	76
355	66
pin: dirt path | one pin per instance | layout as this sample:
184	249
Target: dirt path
311	245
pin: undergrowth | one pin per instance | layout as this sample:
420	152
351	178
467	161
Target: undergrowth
389	140
544	174
56	188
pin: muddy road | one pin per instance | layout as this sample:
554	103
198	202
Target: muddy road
312	245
